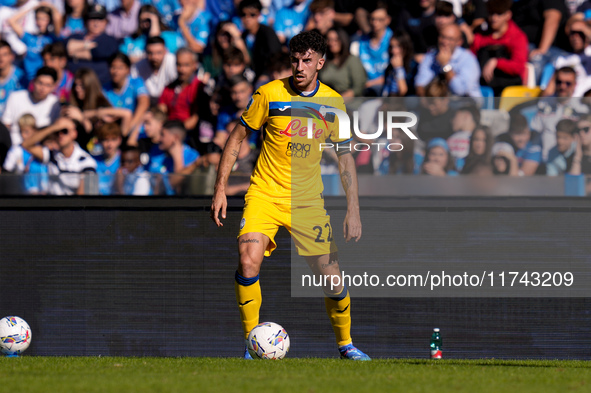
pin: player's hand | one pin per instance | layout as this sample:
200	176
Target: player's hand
352	226
218	203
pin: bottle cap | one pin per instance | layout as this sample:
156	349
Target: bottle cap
436	330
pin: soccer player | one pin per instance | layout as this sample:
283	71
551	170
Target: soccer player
286	167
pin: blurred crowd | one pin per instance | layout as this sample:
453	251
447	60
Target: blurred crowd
145	92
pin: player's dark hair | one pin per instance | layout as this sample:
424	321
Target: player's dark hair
55	49
249	4
121	57
308	40
155	40
47	71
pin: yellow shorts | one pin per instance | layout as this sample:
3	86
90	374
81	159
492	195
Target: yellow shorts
309	226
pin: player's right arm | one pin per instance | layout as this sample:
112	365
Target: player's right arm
229	156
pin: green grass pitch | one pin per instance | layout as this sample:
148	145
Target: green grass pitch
129	374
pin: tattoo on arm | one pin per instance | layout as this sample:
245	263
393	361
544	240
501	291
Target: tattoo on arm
346	179
234	153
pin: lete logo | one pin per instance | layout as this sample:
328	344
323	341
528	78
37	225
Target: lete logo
294	128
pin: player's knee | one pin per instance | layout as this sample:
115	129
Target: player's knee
249	266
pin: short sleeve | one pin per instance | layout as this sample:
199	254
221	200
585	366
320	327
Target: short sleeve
335	134
256	112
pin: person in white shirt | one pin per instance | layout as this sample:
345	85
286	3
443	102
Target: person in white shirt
157	69
43	105
66	165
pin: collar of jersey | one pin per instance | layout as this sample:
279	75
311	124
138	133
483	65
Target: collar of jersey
299	92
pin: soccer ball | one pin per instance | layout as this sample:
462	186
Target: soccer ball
268	340
15	335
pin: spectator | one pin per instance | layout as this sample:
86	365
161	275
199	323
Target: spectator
560	157
438	159
74	18
552	110
474	13
342	71
93	49
123	21
177	156
291	20
11	77
323	16
457	66
233	64
240	92
149	138
8	33
66	164
418	20
157	70
227	36
401	162
5	143
168	9
502	50
402	68
479	154
444	16
21	162
46	17
372	49
131	178
435	115
150	24
543	22
504	161
526	145
260	39
179	99
43	105
107	163
55	56
90	107
579	37
125	91
464	123
193	24
581	163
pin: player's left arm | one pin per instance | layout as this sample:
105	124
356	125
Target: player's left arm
352	224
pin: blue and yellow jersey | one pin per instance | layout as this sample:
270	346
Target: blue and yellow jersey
288	168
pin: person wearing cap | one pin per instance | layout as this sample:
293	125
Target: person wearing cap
504	160
93	49
438	159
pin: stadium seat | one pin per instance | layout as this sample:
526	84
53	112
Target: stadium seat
515	95
489	97
546	76
530	75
